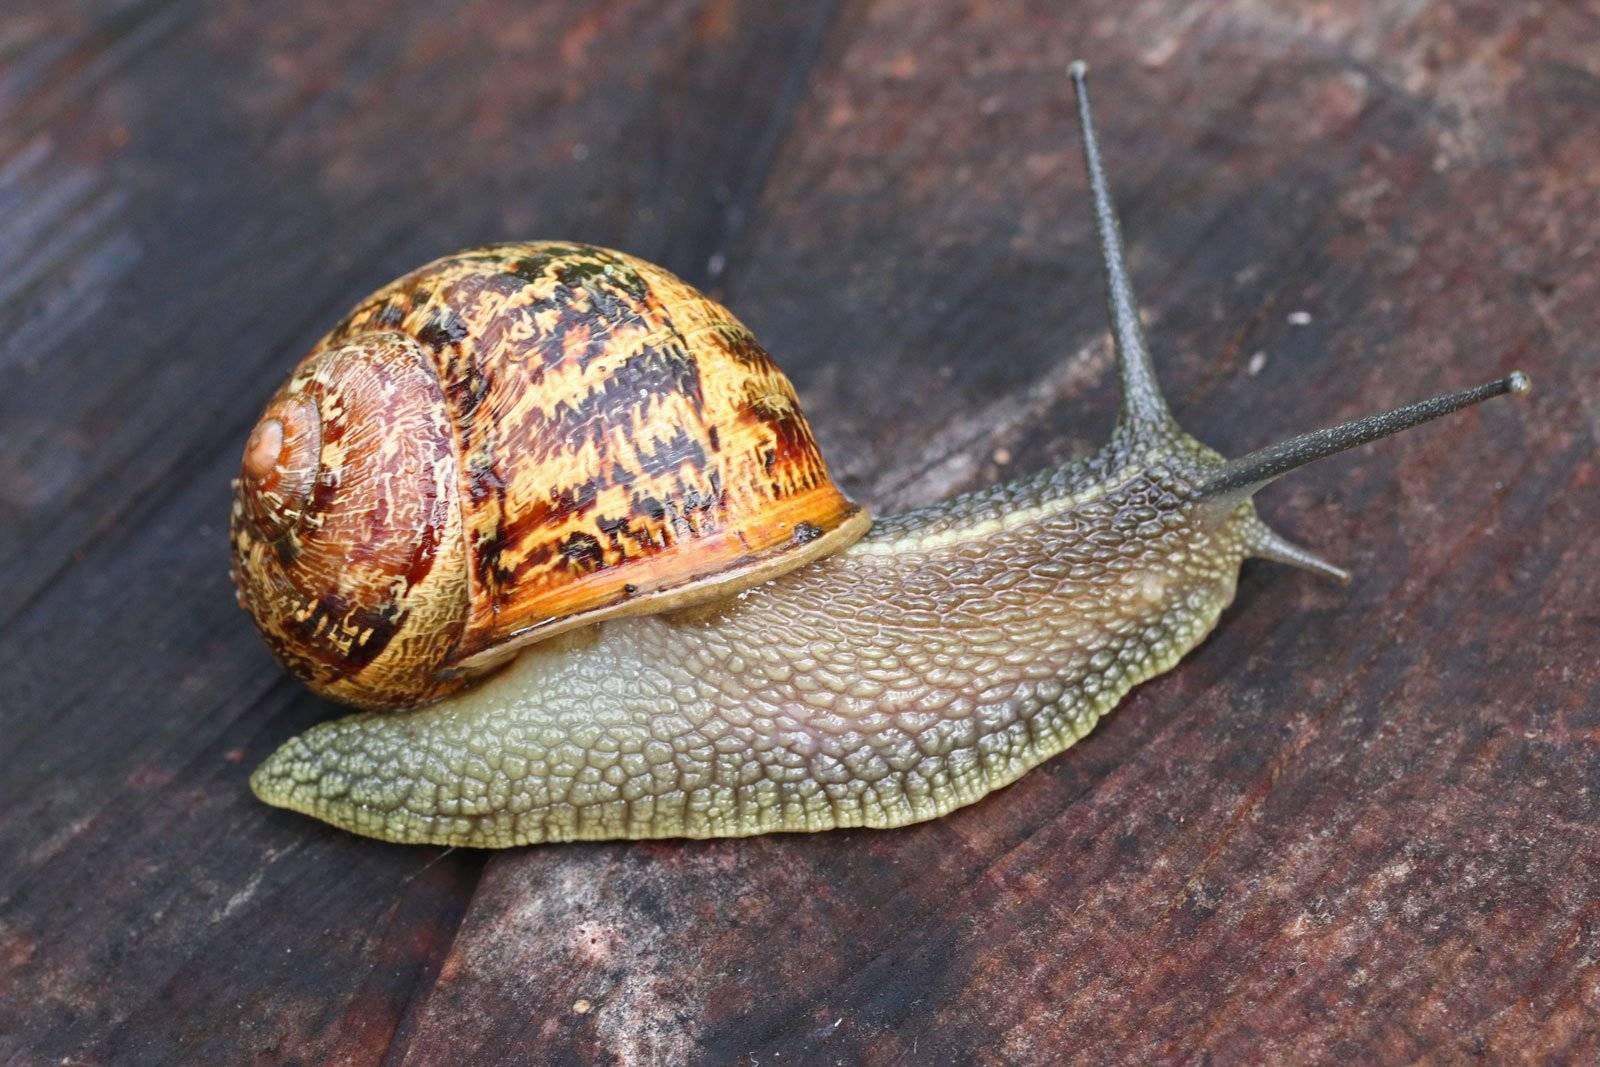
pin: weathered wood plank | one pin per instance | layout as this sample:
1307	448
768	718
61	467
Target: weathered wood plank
1358	824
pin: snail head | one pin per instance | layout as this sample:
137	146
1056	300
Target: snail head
1145	419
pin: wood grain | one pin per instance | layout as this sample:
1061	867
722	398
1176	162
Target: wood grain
1358	825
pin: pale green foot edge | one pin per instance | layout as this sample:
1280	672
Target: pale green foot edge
297	777
309	774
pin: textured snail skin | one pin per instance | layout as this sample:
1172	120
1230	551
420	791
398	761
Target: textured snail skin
938	659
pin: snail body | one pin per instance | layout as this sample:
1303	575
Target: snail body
806	681
938	659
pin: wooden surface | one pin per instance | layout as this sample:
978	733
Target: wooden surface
1357	825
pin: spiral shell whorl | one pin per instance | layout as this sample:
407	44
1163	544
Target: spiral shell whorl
281	461
347	549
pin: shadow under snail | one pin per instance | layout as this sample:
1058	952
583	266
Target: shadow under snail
555	519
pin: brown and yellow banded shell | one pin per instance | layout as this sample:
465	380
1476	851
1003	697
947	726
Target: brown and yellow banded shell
505	444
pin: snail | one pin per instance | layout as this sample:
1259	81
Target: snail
556	521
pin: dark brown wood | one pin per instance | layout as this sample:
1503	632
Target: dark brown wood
1357	825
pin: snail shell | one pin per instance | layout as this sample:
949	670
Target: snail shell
508	443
